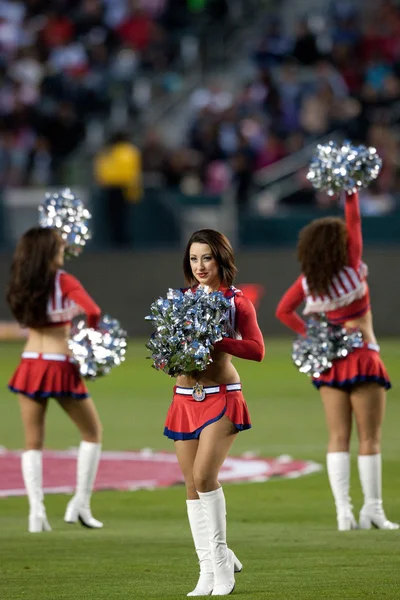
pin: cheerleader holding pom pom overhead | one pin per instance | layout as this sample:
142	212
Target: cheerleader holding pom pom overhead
44	298
334	283
208	408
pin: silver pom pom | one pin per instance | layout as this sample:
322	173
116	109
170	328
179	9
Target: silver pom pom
338	167
66	212
323	344
97	351
187	324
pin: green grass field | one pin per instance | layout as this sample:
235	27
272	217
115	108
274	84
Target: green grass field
283	530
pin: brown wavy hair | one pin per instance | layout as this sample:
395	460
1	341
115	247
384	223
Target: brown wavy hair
322	252
32	276
221	250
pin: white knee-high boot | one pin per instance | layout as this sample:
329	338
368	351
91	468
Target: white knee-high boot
372	513
79	506
32	473
199	529
338	466
214	507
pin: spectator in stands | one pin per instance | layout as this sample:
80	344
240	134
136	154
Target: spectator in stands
183	166
305	48
64	131
272	150
135	31
118	174
290	90
90	25
273	47
214	97
58	29
39	164
347	63
242	163
154	157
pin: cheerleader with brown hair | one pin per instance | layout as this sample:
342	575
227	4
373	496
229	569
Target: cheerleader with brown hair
44	298
333	282
208	411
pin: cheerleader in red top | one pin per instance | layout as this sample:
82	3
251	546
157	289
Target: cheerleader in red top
44	299
333	282
208	411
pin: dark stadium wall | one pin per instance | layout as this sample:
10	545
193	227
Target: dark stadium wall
124	284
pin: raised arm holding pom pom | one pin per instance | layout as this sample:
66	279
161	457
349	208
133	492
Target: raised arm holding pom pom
333	284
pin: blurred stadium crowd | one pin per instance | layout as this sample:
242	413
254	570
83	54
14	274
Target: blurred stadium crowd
61	68
64	63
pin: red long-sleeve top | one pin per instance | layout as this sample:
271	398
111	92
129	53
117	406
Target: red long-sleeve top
296	294
70	299
251	346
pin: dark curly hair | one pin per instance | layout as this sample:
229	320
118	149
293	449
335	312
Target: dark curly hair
322	252
221	250
32	275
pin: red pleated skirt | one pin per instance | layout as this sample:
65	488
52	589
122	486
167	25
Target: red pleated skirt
363	365
41	377
187	417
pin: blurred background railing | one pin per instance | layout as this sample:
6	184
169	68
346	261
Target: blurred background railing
164	219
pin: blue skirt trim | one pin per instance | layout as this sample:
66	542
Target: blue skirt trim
194	435
349	382
43	395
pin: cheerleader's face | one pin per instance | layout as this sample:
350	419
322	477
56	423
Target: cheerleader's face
204	266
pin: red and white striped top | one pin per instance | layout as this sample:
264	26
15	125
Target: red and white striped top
347	286
347	297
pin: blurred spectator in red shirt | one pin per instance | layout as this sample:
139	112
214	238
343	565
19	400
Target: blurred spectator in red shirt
136	30
58	28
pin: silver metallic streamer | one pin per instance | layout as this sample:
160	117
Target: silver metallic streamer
338	167
97	351
186	325
323	344
66	212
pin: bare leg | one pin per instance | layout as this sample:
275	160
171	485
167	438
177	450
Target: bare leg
33	415
84	414
369	402
215	443
186	453
338	415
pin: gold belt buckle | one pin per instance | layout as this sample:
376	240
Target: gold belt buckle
199	393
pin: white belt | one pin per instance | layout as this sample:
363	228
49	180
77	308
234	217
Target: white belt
213	389
46	356
369	345
372	346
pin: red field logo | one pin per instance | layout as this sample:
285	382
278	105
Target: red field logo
140	470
